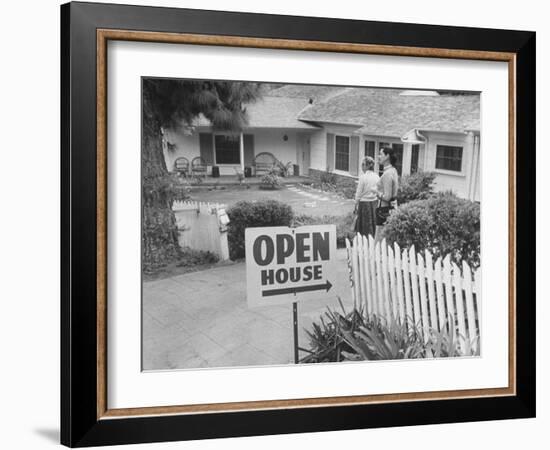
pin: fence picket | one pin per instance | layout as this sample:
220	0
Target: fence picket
431	290
385	279
477	283
414	287
440	295
393	287
407	288
362	282
355	271
399	276
366	271
379	283
374	278
352	279
449	292
470	311
423	296
457	282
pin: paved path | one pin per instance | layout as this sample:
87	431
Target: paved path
202	319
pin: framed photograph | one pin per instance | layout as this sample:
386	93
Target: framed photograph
278	224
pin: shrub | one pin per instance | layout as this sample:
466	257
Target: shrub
243	215
343	224
270	181
327	177
443	224
417	186
240	174
348	192
190	257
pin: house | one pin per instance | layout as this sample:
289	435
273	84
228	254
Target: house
320	128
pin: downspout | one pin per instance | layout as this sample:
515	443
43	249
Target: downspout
421	136
475	167
241	148
419	139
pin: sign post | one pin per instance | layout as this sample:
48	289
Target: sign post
289	265
295	325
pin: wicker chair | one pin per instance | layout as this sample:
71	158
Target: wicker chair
198	167
264	162
181	166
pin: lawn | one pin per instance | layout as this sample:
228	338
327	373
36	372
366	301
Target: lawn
303	200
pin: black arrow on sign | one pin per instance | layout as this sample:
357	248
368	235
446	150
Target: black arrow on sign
294	290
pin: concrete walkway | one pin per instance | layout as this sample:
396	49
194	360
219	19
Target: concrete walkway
202	319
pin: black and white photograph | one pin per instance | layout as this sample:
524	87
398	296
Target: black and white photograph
296	224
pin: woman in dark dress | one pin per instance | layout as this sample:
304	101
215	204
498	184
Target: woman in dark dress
366	199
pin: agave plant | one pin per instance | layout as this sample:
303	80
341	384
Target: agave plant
352	336
378	341
284	169
447	343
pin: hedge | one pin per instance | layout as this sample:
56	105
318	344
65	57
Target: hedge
242	215
443	224
416	186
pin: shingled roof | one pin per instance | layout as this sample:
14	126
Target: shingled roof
277	112
272	112
307	91
385	112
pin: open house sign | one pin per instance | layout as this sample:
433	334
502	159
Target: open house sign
287	265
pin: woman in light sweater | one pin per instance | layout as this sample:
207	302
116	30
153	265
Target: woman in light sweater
366	199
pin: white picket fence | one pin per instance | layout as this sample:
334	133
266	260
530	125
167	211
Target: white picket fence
201	227
395	283
201	207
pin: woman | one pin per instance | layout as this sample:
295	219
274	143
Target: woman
366	199
388	185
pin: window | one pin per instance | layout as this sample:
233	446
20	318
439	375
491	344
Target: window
381	145
398	152
227	148
370	149
448	158
415	152
342	153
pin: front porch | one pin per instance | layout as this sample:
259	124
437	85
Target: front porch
233	180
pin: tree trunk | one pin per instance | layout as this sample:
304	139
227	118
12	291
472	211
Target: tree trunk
159	229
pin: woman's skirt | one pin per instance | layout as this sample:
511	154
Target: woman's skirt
366	218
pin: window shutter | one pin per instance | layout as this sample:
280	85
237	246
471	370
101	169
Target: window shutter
330	151
206	147
248	141
354	156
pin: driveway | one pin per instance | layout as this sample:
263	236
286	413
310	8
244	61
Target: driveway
202	319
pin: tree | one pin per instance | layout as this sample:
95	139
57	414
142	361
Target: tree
168	103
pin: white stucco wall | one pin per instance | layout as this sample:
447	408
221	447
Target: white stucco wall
458	182
318	150
272	141
187	146
319	143
265	140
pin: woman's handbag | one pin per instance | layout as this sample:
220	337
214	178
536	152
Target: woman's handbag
382	213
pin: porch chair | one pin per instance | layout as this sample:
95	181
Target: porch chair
264	162
181	166
198	167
